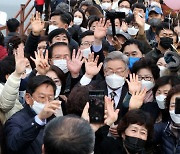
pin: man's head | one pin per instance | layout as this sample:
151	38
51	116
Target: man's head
139	8
68	135
60	19
155	16
58	35
58	54
40	90
115	69
124	6
164	35
133	48
13	25
86	39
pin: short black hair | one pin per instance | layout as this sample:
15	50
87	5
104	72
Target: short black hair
64	16
56	32
68	135
146	63
138	117
136	42
139	6
37	81
84	34
123	1
50	50
7	67
172	80
12	24
162	26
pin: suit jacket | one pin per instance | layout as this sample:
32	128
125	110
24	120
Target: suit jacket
103	86
23	134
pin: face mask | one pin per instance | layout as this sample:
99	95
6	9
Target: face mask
58	91
175	117
161	101
28	70
166	42
37	107
134	144
77	21
51	28
125	10
62	64
132	31
147	84
105	6
154	22
162	70
132	60
114	81
86	52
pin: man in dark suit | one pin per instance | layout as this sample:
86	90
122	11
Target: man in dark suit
115	71
24	130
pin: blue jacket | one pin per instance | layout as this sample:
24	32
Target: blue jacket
23	134
164	136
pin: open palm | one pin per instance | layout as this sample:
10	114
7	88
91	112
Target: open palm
74	65
91	65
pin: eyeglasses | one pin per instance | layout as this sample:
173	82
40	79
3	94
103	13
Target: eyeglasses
146	78
87	43
118	72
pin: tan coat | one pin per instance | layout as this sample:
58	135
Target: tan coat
9	93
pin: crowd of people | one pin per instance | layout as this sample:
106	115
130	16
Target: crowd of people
128	49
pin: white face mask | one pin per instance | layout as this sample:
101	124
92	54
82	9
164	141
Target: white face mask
147	84
37	107
125	10
163	70
86	52
77	21
105	6
58	91
175	117
160	99
28	70
115	81
62	64
132	31
52	27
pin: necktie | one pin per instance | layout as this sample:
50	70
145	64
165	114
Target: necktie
113	94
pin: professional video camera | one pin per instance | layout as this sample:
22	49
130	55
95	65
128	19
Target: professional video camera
112	15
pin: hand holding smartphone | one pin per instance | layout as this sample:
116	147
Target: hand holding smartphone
96	106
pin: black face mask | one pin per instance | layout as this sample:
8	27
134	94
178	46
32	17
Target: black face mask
134	145
166	42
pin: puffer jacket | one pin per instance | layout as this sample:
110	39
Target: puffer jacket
170	144
9	103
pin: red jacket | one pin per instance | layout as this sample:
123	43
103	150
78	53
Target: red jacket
3	52
39	2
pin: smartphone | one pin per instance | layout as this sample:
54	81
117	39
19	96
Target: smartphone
96	106
177	105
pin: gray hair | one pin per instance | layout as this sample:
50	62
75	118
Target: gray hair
116	55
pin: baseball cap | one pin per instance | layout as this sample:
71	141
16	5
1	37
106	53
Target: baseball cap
156	9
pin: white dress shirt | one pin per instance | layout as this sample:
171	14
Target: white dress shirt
117	96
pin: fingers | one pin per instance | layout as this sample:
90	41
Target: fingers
85	113
100	65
